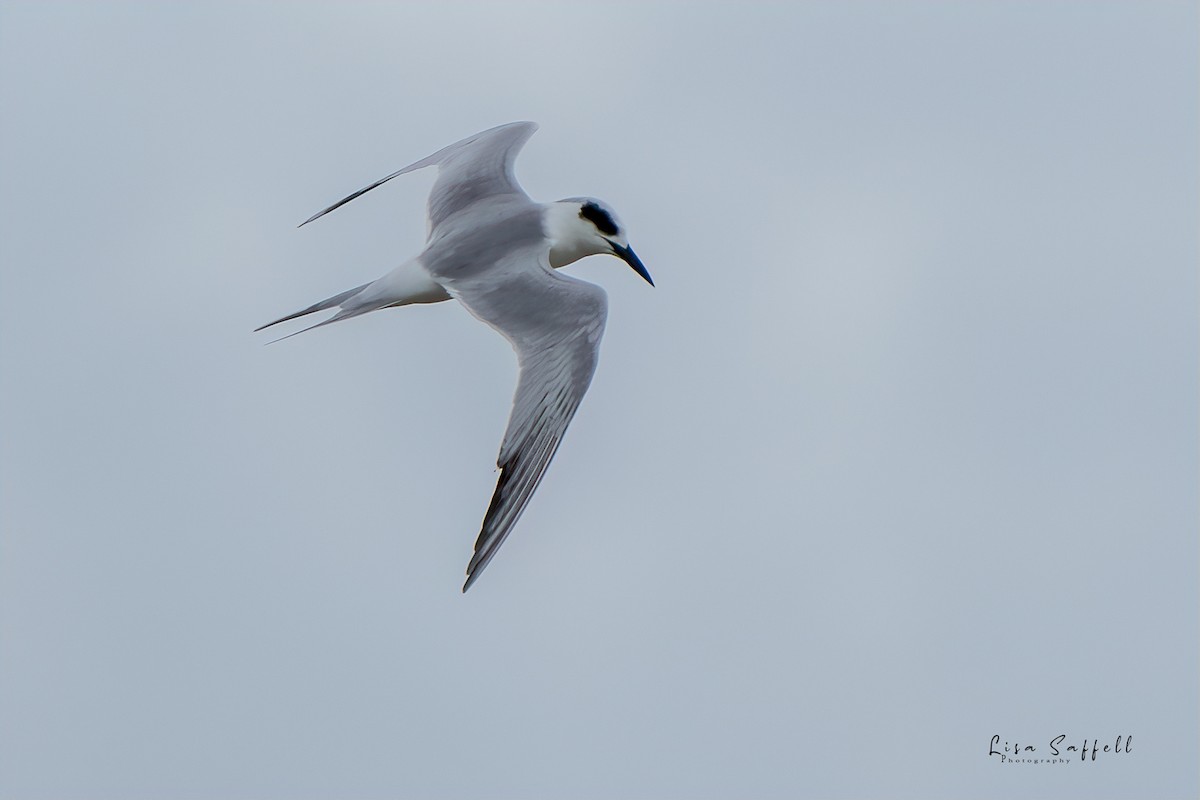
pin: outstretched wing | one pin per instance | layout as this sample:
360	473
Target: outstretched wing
478	167
554	323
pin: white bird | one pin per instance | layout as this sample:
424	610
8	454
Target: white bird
494	250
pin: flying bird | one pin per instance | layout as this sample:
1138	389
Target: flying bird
495	250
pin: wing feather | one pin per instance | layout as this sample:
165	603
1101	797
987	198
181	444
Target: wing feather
478	167
555	324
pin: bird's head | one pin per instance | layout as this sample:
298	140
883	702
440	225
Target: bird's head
585	226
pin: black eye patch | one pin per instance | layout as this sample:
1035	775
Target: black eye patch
600	218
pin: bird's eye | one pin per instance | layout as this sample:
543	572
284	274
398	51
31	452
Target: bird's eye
600	218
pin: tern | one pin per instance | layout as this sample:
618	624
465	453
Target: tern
495	250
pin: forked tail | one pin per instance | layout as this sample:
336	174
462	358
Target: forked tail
336	300
353	303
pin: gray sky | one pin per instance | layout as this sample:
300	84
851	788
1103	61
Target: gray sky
900	454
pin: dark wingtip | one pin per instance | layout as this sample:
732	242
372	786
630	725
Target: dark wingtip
314	216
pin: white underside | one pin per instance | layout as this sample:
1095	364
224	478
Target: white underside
406	284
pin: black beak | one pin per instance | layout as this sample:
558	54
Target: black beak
627	255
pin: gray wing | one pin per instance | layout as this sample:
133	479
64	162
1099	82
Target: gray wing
554	323
478	167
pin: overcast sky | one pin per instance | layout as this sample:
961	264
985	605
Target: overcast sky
900	454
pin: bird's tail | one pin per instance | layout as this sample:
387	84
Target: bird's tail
336	300
352	303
